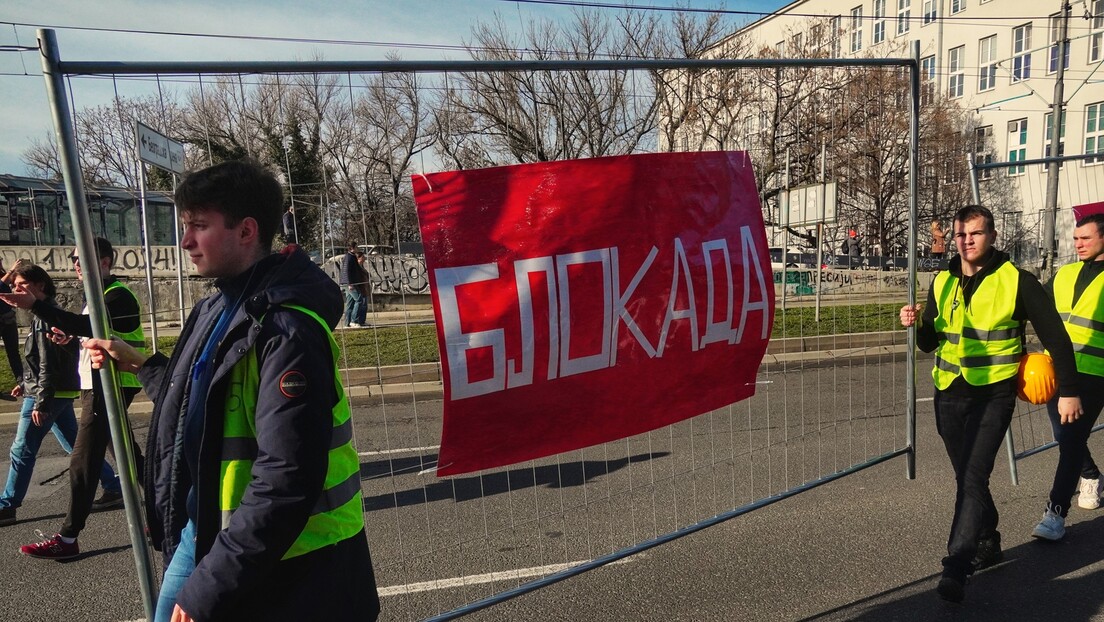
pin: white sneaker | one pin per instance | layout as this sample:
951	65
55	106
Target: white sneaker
353	325
1052	527
1090	494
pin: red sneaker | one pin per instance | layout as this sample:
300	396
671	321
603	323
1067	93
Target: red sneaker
50	548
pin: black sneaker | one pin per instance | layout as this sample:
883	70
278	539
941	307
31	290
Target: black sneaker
109	500
7	516
951	588
989	553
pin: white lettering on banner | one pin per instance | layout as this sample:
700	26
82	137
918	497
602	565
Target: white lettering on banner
751	256
568	365
716	332
457	342
614	309
522	270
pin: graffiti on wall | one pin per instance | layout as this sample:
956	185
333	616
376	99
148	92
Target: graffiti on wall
397	274
389	274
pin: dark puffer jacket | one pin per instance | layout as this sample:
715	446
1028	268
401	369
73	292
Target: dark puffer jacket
240	574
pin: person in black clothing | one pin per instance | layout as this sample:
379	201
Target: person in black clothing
1077	290
351	276
93	433
287	224
974	320
9	329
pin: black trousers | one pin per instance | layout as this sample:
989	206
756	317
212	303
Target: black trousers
972	429
1074	459
86	461
9	332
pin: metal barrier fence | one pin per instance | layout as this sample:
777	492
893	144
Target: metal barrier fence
835	393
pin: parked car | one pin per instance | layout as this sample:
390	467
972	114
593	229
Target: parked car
793	257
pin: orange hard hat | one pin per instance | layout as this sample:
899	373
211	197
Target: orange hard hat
1036	378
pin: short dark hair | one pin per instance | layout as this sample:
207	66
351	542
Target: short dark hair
35	274
237	189
1093	218
104	250
352	246
971	212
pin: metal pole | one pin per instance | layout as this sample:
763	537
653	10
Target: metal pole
1050	253
820	221
291	192
914	219
179	256
785	218
146	252
93	292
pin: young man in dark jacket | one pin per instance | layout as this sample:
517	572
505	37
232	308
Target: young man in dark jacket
974	320
252	482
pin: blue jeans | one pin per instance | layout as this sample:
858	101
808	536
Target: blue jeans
180	568
356	308
28	439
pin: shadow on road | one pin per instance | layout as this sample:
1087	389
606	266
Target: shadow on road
468	488
1033	583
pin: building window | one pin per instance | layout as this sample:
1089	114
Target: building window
1055	31
1017	145
780	49
1021	52
927	78
1094	132
856	29
930	11
835	32
958	6
879	21
904	11
983	150
955	59
1049	138
797	44
987	63
1096	35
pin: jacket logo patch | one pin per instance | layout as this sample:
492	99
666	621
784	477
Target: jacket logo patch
293	384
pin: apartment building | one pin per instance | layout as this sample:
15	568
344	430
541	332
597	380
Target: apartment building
998	60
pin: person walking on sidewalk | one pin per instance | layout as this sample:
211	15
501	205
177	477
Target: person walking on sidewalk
253	483
48	387
974	320
350	276
1078	293
93	432
9	327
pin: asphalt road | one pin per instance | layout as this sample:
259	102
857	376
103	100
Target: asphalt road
863	547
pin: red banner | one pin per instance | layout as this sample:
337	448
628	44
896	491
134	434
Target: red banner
1088	209
584	301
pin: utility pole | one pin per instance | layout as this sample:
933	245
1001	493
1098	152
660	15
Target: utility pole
1050	217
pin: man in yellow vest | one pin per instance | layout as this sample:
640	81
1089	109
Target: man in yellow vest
93	431
1078	291
974	320
253	483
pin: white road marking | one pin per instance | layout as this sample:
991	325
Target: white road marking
490	577
401	450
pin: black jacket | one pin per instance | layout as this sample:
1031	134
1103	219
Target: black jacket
1032	304
239	573
48	367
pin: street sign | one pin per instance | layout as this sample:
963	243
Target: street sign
157	149
804	204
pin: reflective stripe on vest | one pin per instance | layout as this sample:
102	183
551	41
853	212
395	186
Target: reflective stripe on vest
981	343
1084	321
338	514
135	338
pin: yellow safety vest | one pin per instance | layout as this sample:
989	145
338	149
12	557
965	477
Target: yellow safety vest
135	338
981	342
1085	320
339	512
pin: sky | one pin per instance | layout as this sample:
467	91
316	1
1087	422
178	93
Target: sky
436	24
